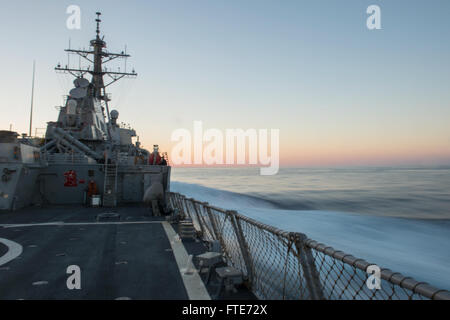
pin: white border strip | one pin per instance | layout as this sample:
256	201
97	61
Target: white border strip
61	223
14	250
193	283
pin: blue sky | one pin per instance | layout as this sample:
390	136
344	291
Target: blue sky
338	92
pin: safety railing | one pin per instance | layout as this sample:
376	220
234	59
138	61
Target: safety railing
287	265
67	158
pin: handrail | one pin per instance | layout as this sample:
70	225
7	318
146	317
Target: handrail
288	265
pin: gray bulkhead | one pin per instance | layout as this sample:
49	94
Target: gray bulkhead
20	165
131	182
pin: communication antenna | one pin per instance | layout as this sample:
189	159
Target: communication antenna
32	97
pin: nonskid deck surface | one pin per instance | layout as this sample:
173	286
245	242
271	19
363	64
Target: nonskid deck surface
74	214
131	258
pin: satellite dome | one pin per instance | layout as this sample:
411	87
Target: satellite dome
114	114
81	82
78	93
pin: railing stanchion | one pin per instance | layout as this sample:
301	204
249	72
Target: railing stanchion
198	216
306	261
185	208
213	224
242	244
181	206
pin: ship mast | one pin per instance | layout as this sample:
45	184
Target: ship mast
97	78
97	56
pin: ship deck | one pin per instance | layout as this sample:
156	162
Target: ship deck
134	257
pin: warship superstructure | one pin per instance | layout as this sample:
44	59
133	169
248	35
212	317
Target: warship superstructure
86	153
85	213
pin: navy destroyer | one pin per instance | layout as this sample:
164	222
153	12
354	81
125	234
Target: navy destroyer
86	156
85	213
87	202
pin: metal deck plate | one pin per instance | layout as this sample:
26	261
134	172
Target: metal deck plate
118	259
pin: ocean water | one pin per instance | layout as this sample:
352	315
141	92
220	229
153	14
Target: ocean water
398	218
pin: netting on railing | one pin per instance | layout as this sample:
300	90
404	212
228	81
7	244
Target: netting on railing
276	270
287	265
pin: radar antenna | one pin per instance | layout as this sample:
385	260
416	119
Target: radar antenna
97	56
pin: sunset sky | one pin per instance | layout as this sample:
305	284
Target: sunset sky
340	94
